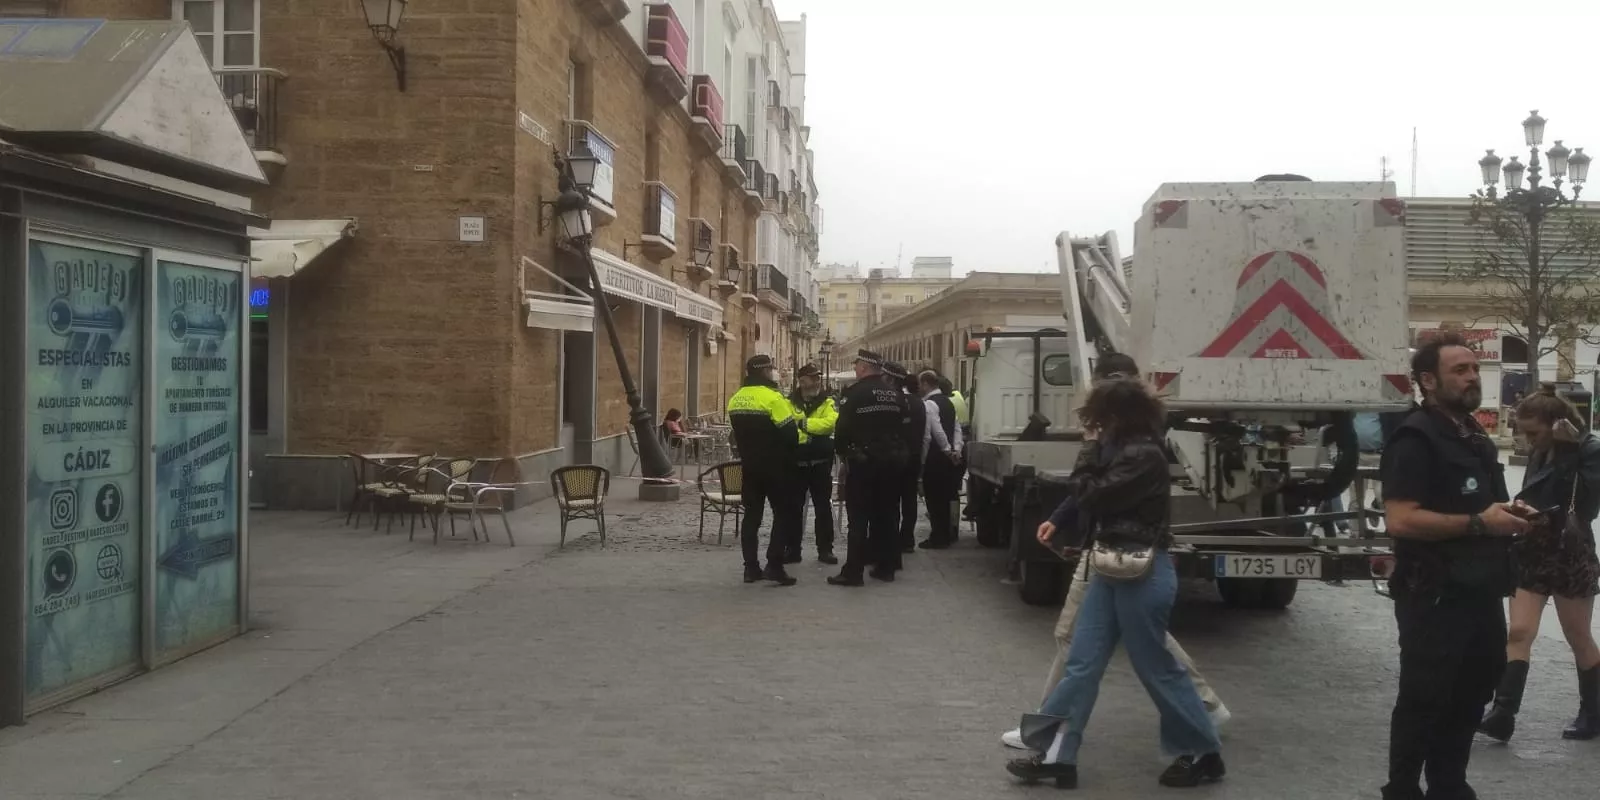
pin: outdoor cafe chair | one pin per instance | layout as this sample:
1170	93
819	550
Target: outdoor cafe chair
725	499
580	492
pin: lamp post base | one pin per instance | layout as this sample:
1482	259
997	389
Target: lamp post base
653	492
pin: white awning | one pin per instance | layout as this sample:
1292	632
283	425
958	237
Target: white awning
573	311
288	245
699	308
622	279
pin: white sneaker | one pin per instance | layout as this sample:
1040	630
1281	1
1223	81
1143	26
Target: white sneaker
1013	739
1219	717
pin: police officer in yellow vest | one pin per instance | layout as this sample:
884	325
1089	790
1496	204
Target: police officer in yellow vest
817	417
768	437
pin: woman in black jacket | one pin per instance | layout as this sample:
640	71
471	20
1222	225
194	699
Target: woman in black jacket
1556	559
1124	493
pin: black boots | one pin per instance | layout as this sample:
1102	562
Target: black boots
1033	769
1189	771
1501	721
1587	725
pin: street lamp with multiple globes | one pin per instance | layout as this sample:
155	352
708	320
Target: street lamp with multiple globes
1534	201
577	235
824	351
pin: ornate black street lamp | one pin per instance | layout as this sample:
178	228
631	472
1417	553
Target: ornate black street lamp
577	234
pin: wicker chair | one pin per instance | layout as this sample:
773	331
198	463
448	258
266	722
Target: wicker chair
430	505
725	499
580	492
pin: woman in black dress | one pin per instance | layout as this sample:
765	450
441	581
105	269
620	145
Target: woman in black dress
1556	559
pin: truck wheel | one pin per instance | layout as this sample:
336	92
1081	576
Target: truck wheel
1276	595
990	532
1043	583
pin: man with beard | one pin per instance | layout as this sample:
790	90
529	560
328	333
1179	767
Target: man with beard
871	443
768	436
1445	505
818	417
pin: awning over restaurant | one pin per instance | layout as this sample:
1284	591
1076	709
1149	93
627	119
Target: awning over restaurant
288	245
572	310
619	278
699	308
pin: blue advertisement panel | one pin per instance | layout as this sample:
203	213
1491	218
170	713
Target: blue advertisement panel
197	444
84	409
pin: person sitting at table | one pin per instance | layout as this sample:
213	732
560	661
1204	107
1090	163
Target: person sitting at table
672	424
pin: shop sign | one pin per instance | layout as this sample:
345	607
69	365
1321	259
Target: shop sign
700	309
622	279
197	444
605	170
83	391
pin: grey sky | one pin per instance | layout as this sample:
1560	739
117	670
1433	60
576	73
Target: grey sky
979	130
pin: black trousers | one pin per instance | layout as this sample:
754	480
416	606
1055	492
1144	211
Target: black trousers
761	489
941	485
871	502
816	480
907	494
1452	654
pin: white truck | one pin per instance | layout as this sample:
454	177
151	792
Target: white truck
1263	312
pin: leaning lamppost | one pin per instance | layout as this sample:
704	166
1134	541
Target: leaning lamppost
572	215
827	348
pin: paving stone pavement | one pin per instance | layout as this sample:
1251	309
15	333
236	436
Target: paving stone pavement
645	669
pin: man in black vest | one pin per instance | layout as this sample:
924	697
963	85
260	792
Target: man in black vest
940	474
914	430
1445	504
872	451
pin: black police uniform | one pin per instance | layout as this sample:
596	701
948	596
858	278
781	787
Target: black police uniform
1448	599
870	441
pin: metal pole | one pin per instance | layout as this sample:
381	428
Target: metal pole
653	461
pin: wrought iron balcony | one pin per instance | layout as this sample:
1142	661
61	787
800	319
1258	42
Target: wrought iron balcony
252	93
666	44
660	237
731	273
735	150
755	184
772	286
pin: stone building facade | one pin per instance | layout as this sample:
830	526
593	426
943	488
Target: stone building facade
411	241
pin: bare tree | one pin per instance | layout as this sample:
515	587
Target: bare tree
1536	263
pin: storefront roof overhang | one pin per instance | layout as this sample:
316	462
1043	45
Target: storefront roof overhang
572	310
287	246
138	93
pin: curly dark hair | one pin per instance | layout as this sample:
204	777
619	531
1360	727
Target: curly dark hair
1123	409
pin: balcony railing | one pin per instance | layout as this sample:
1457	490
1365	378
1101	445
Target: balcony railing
734	146
774	95
755	181
769	279
769	189
252	93
706	102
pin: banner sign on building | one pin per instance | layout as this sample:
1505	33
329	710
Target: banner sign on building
622	279
197	445
1485	342
83	392
605	170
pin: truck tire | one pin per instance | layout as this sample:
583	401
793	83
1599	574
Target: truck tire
1043	583
1256	593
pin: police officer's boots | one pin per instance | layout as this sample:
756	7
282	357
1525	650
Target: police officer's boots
1587	725
1501	721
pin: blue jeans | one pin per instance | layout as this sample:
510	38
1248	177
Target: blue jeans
1134	613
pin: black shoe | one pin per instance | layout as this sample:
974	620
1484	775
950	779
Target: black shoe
827	558
885	575
752	574
934	544
776	574
845	580
1033	769
1190	771
1587	724
793	558
1501	721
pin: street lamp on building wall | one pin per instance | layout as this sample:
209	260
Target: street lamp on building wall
383	19
574	225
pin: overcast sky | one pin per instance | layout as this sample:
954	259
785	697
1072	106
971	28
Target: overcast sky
979	130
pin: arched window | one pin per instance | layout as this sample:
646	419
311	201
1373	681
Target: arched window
1513	350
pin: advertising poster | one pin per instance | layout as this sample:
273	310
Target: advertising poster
84	367
197	444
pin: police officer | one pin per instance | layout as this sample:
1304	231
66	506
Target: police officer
768	438
871	443
941	471
817	416
1445	504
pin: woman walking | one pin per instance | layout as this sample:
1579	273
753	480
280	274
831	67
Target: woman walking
1556	559
1125	494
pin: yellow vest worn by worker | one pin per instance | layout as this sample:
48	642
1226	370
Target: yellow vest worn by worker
963	413
764	427
816	428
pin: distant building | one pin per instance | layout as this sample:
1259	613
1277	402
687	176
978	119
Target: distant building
851	303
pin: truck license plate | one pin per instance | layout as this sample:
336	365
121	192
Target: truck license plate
1269	567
